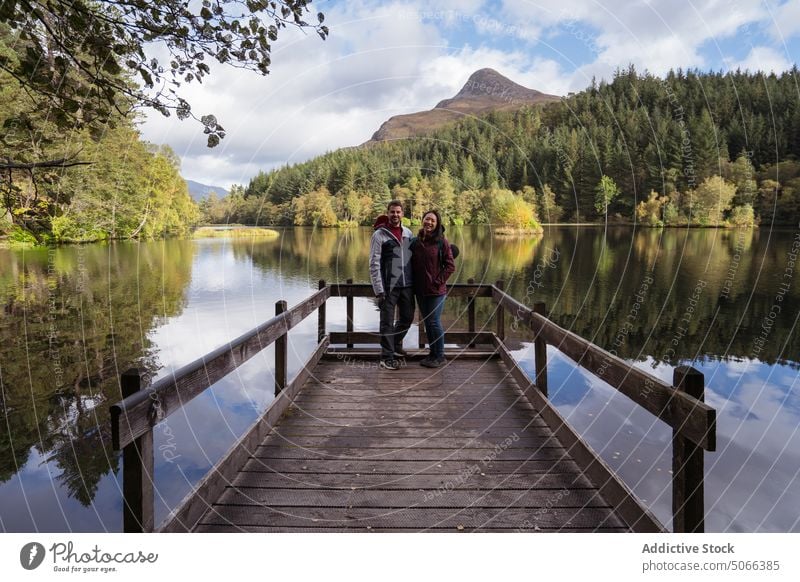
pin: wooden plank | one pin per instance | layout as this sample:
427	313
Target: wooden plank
365	290
413	392
466	389
454	409
417	400
440	404
638	517
310	427
513	418
264	479
416	423
228	528
695	420
375	378
435	467
293	430
402	499
191	508
455	364
270	452
439	442
369	354
132	415
459	360
414	518
374	337
422	393
476	382
408	374
487	418
472	480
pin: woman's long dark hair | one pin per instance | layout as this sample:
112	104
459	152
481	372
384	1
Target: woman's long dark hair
438	232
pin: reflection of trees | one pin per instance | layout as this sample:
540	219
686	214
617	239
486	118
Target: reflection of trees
102	301
75	317
592	289
602	309
312	253
84	461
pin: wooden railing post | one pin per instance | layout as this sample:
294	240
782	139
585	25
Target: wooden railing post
501	313
540	353
321	315
137	470
687	463
471	312
349	310
281	352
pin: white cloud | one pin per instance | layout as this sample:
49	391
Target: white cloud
762	58
387	59
318	96
656	35
786	21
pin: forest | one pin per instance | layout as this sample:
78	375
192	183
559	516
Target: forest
693	148
80	182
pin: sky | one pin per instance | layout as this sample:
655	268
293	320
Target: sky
388	58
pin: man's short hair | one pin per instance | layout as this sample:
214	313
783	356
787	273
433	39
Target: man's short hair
394	203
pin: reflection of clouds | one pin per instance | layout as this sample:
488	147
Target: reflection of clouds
31	489
751	480
226	299
755	474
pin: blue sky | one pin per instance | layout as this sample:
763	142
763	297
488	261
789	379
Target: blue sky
388	58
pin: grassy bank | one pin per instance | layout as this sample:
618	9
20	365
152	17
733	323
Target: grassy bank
235	232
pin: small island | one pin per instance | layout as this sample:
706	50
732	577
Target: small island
234	232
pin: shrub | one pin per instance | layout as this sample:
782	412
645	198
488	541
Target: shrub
743	216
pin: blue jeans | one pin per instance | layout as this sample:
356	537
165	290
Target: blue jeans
392	333
431	307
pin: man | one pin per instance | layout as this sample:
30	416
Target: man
390	272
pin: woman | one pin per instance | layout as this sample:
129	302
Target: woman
432	263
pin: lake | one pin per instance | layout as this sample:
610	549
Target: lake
75	317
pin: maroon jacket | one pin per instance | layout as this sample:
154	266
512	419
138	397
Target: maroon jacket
429	276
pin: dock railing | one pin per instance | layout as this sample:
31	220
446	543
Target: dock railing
679	405
133	419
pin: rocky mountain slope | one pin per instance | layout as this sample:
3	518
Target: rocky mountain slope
486	90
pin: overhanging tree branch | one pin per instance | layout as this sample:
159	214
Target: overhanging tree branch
86	54
61	163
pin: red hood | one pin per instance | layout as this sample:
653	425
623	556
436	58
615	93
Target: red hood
382	220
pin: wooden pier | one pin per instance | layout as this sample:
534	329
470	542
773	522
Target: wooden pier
472	446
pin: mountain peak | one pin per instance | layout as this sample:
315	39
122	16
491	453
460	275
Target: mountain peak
489	83
485	91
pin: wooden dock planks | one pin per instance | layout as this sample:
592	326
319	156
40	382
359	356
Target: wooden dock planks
453	449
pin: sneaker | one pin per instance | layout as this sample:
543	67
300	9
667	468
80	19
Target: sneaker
389	364
425	361
434	362
400	352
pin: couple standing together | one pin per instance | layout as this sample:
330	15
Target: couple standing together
402	266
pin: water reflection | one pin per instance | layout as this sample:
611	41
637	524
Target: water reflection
75	317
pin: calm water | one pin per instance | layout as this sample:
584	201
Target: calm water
75	317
